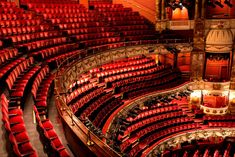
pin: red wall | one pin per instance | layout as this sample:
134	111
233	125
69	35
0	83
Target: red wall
214	69
225	12
147	3
184	62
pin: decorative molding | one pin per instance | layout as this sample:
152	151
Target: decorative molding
188	136
74	71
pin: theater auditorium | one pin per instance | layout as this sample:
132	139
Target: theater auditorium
117	78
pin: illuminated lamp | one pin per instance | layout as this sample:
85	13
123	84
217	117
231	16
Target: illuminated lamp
184	13
195	100
232	102
219	4
228	3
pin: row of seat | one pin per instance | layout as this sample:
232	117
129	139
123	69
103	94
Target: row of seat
152	81
7	54
126	23
221	124
56	50
98	102
124	64
5	4
81	81
51	141
25	38
203	148
128	69
19	87
68	5
61	10
81	28
125	17
218	118
14	124
101	41
162	116
90	36
119	14
82	22
80	92
40	76
8	31
18	70
148	113
10	10
68	15
163	133
105	112
20	23
148	73
120	9
152	132
43	43
43	78
89	102
43	92
167	84
105	5
14	16
131	18
40	91
137	33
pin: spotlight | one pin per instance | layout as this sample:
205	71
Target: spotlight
219	4
228	3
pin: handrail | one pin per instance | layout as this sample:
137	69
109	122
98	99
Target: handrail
123	110
128	43
223	132
62	68
64	109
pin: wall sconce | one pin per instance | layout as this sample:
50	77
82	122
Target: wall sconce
89	142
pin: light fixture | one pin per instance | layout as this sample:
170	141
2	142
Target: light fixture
228	3
219	4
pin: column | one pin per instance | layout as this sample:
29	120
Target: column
203	9
232	85
198	53
158	17
163	10
163	16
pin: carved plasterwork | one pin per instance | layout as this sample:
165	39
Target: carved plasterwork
219	38
73	72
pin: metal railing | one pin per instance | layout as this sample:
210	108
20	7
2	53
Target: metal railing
65	65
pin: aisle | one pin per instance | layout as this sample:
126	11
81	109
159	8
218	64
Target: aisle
30	125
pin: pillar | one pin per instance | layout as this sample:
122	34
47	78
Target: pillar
158	16
198	53
203	10
163	10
